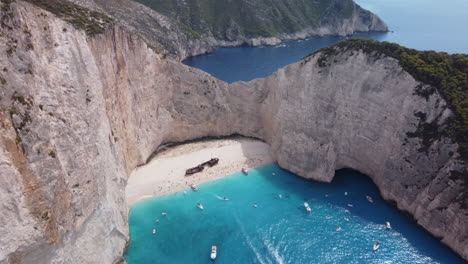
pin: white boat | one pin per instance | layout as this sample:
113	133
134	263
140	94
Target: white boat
307	207
194	187
346	219
369	199
164	214
213	252
225	199
245	171
350	205
338	229
388	225
345	193
199	205
254	205
185	192
327	217
376	245
154	231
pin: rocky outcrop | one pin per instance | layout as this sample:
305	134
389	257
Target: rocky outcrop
77	114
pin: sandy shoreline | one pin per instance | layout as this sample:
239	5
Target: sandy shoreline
165	173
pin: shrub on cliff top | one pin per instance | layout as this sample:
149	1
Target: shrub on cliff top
81	18
447	73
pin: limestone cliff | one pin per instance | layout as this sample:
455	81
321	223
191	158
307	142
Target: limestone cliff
78	113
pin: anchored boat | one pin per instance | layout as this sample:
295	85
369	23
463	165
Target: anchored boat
388	225
213	252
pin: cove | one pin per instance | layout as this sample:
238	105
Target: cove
246	63
279	230
419	24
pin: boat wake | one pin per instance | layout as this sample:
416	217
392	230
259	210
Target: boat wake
258	256
274	252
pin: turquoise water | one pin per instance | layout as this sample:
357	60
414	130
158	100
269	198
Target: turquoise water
418	24
278	230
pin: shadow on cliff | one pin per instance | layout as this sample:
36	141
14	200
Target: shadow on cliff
357	186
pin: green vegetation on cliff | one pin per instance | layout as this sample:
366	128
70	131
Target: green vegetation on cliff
444	72
227	19
81	18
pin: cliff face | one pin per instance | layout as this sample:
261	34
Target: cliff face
77	114
188	28
234	20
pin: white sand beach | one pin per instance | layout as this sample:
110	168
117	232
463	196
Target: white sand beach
165	173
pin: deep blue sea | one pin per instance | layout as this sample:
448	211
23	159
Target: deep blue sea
418	24
279	230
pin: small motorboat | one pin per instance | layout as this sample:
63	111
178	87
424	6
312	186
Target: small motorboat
307	207
376	245
388	225
346	219
164	214
350	205
199	205
273	174
245	171
254	205
345	193
338	228
327	217
280	196
213	252
157	220
194	187
185	192
225	199
154	231
369	199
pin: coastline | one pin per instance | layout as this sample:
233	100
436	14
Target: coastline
165	172
198	49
